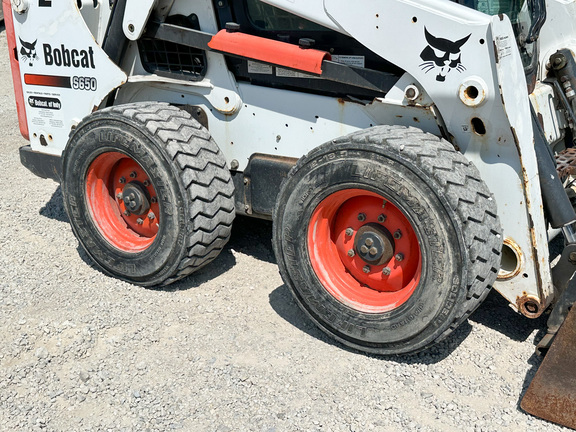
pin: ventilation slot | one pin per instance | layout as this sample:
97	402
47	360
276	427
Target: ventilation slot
172	59
169	58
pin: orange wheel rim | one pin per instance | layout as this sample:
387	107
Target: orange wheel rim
364	250
122	202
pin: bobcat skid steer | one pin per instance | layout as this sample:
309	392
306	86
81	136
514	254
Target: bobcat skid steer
411	154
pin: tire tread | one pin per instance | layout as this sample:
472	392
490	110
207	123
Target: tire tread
468	196
460	183
202	169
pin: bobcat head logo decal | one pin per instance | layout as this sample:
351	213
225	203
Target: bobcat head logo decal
28	51
442	55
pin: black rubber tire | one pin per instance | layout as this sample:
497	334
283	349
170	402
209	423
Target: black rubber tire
194	188
458	231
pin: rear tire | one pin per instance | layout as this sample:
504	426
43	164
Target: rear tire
147	192
388	239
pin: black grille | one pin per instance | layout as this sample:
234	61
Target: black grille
172	59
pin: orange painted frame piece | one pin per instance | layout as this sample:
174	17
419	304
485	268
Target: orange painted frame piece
269	51
15	67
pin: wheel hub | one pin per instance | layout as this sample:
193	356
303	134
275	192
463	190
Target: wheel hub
355	255
136	198
374	244
118	206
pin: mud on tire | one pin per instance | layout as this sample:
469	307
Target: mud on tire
388	239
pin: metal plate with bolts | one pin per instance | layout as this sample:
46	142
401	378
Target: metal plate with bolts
552	392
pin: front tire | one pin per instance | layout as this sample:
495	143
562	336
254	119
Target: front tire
147	192
388	239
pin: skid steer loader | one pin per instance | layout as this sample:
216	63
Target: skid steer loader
411	154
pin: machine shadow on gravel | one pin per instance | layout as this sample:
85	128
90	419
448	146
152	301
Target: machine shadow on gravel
249	236
54	208
224	262
252	237
534	362
495	313
282	302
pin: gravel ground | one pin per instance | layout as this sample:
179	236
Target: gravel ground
224	350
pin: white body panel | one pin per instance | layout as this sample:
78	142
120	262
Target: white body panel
292	128
96	15
136	16
64	78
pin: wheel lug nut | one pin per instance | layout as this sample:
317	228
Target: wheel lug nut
361	217
146	183
127	213
119	196
349	232
151	216
364	249
369	242
139	221
399	257
386	271
398	235
373	251
122	180
154	200
382	218
133	174
351	253
366	269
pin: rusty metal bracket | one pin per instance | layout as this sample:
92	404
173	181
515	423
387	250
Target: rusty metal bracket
566	162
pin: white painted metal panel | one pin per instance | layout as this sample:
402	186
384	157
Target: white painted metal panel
65	73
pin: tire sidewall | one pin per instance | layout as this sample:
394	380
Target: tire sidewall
432	306
97	136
